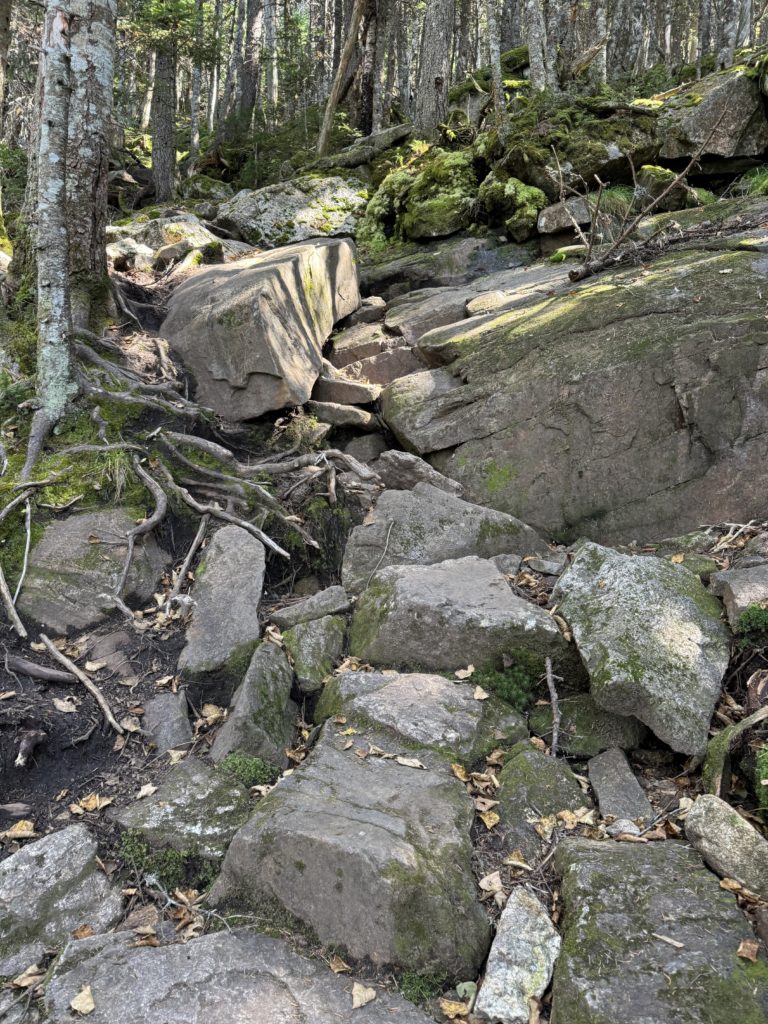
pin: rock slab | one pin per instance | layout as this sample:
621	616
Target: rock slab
585	728
619	794
728	843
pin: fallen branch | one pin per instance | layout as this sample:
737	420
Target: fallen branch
27	545
555	707
10	609
90	686
13	663
161	507
18	500
182	574
719	748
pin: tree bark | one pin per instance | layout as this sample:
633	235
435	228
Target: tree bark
494	48
213	92
431	105
536	32
5	42
146	111
196	83
338	81
163	123
270	54
252	63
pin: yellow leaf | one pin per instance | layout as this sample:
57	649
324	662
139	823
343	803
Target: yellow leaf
460	772
94	666
338	966
33	975
83	1003
410	762
537	742
748	949
517	860
361	995
678	558
480	693
491	883
452	1009
94	802
23	829
83	932
174	756
146	790
490	819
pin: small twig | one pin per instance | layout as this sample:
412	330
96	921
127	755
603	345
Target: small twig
82	738
182	575
13	663
101	423
555	707
161	507
90	686
383	554
27	545
18	500
11	612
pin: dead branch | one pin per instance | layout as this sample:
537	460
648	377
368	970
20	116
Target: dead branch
101	423
10	610
13	663
90	686
27	544
182	574
15	502
555	707
161	507
183	408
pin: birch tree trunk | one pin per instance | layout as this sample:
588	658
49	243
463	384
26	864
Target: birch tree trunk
195	90
146	112
494	48
163	123
432	82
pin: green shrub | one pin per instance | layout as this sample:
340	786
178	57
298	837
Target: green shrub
250	771
761	777
752	627
517	684
174	869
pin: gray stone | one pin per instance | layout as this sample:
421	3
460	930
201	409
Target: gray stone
294	211
521	960
552	565
344	392
252	331
651	639
385	367
225	623
401	471
262	717
167	230
373	855
509	565
371	311
425	526
618	899
77	560
728	843
619	794
739	588
225	978
560	216
315	648
423	310
332	601
587	729
343	415
534	785
112	648
197	809
47	889
448	615
166	721
430	711
366	449
201	186
360	342
128	254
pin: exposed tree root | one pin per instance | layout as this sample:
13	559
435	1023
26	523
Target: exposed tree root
161	507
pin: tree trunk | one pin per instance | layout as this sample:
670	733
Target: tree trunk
213	92
338	81
270	54
729	27
5	42
536	32
371	29
510	25
464	41
704	31
403	61
434	68
252	64
494	47
195	89
163	124
146	112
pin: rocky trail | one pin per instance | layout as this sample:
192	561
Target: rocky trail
439	671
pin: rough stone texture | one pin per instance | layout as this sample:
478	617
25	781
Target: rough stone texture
68	570
727	118
560	216
225	625
534	785
112	648
197	808
728	843
332	601
739	588
343	415
448	615
252	332
47	889
427	710
128	254
315	647
344	392
585	728
428	525
373	855
200	186
231	977
293	211
385	367
651	639
617	898
423	310
360	342
402	471
619	794
160	231
367	448
371	311
262	716
166	721
521	960
676	429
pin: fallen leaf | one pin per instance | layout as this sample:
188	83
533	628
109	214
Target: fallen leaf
678	558
65	705
83	932
94	666
83	1003
348	744
480	694
38	647
7	694
174	756
465	673
491	883
537	742
23	829
33	975
482	803
496	758
338	966
452	1009
130	723
93	802
517	860
361	995
748	949
146	790
460	772
669	942
490	819
409	762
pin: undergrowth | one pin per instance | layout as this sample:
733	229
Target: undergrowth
174	869
250	771
517	684
420	986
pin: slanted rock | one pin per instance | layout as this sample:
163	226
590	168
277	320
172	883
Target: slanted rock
561	216
225	624
315	647
619	794
215	979
166	721
428	525
371	310
196	810
728	843
373	855
343	415
402	471
586	729
430	711
421	311
360	342
739	588
128	254
367	448
293	211
262	716
252	332
343	391
385	367
651	639
621	900
80	558
521	960
168	230
332	601
47	889
201	186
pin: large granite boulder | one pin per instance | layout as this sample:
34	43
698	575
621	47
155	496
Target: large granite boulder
632	408
157	232
78	560
648	935
428	525
651	639
729	844
293	211
740	588
586	729
252	332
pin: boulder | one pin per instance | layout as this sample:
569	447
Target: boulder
262	717
315	648
586	729
78	559
47	889
128	254
740	588
619	794
620	902
294	211
448	615
200	186
343	415
428	525
676	429
384	367
360	342
423	710
224	628
730	845
156	232
196	811
402	471
332	601
252	332
561	216
341	391
371	854
651	639
521	960
166	721
216	979
371	310
421	311
366	448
